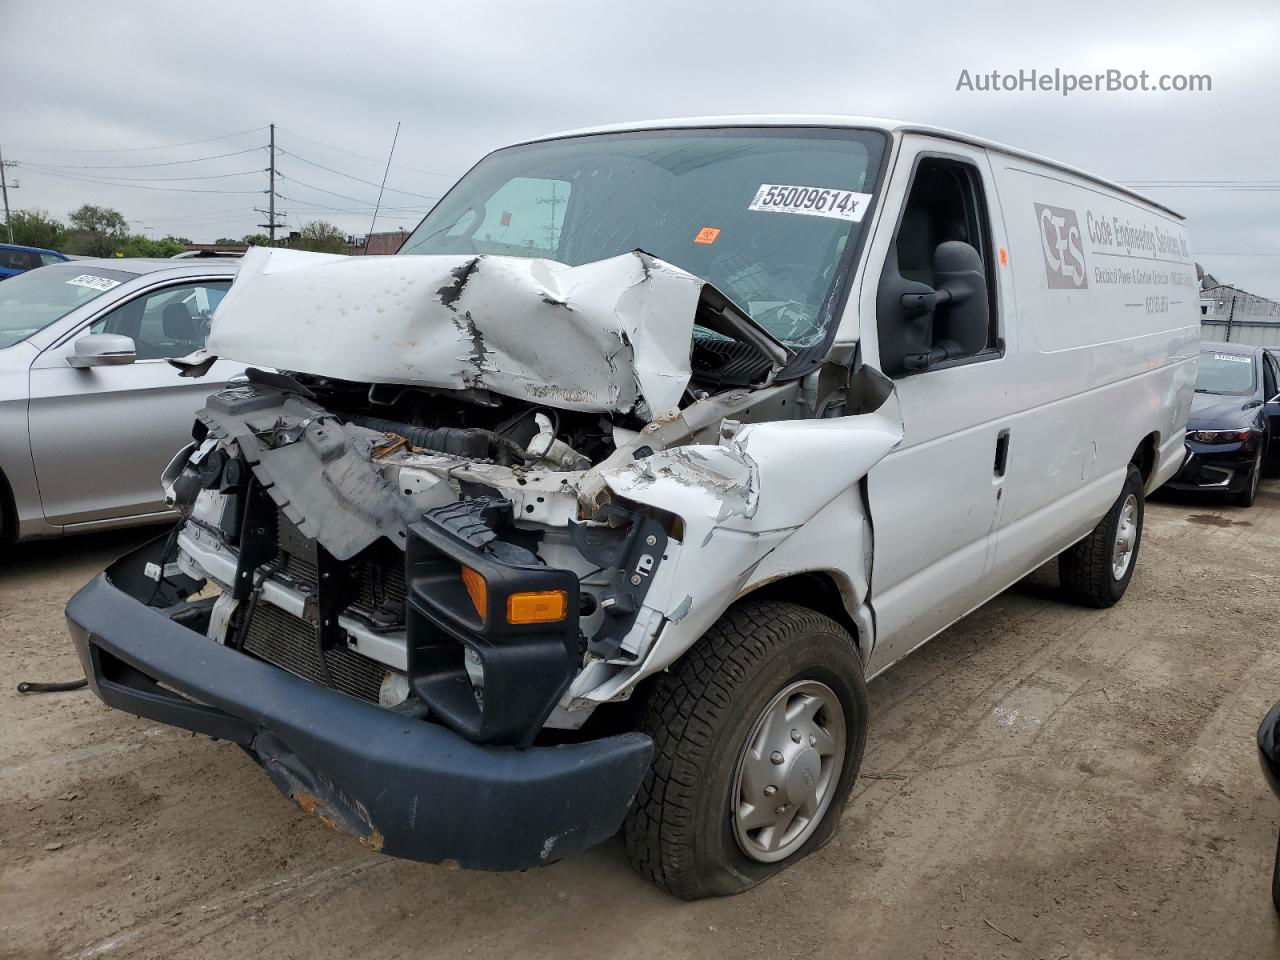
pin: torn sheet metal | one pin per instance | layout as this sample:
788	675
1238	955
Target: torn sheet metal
761	476
769	499
318	471
598	337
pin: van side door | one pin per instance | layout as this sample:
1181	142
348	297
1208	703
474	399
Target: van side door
934	500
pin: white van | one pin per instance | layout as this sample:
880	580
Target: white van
599	504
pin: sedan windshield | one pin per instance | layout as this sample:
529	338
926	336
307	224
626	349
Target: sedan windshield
769	216
1225	373
31	301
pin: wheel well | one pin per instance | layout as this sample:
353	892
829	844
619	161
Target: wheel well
815	590
1144	458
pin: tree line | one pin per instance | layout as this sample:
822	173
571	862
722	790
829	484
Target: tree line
94	231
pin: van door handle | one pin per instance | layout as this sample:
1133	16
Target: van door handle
1002	452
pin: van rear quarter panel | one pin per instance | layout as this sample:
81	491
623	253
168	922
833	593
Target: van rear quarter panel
1108	321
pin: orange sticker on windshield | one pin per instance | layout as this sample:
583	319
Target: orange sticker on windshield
707	235
1004	257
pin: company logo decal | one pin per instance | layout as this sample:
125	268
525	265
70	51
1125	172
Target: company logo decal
1062	246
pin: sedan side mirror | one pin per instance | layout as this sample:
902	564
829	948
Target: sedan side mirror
103	350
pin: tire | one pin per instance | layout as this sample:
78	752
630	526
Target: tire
1275	880
1246	496
682	831
1085	570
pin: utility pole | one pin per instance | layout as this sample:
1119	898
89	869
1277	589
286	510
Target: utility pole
271	191
271	223
4	188
1231	313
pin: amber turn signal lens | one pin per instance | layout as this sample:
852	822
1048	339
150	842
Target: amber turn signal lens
542	606
477	590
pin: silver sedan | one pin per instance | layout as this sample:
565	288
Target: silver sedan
90	412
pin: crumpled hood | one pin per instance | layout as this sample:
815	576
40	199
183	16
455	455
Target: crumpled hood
598	337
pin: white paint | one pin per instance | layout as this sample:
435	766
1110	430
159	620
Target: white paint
598	337
1085	374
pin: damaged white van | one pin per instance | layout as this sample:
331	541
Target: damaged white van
597	506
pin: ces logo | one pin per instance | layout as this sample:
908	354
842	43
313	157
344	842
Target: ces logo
1062	246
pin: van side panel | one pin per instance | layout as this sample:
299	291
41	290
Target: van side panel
1109	325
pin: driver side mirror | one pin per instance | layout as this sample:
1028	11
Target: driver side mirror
103	350
922	325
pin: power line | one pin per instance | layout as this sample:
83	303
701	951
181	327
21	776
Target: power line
167	146
351	153
137	166
333	193
362	211
209	176
210	215
137	186
350	176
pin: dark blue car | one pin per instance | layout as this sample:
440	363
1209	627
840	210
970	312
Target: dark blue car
15	259
1233	432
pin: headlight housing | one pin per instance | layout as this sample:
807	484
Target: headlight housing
1218	436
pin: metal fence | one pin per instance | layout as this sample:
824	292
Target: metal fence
1258	334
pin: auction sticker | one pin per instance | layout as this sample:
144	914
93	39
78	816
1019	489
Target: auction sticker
93	283
1232	358
811	201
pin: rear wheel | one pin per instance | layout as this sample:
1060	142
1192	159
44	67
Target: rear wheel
1097	570
758	734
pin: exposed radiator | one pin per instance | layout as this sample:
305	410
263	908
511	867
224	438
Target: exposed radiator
287	641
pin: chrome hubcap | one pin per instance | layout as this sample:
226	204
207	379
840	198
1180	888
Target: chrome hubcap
1126	538
788	771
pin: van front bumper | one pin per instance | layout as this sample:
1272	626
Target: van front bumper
404	786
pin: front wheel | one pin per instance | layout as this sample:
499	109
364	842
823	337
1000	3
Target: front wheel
1246	496
1097	570
758	735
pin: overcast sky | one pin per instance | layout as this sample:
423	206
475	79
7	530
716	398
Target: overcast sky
464	78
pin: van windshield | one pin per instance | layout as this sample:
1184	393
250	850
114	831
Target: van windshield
31	301
769	216
1225	373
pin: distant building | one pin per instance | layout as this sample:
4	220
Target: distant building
215	247
1221	301
380	244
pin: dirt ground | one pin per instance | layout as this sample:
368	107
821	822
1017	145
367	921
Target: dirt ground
1040	781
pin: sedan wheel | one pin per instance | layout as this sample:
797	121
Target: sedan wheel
1246	496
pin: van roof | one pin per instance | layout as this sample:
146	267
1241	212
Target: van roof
841	120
